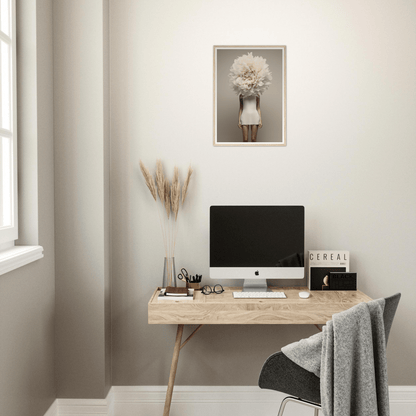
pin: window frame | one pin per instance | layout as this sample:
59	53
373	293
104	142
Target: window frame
15	253
9	234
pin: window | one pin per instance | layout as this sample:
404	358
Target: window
8	145
11	256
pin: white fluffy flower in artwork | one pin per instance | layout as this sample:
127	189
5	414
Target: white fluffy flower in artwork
250	75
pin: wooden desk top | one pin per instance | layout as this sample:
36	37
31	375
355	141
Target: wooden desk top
224	309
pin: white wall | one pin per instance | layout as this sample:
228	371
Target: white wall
350	156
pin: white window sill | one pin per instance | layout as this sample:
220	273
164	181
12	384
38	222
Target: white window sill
19	256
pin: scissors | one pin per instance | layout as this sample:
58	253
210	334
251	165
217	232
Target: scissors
183	275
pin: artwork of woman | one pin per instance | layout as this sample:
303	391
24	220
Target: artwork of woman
249	78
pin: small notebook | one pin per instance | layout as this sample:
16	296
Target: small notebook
176	291
178	297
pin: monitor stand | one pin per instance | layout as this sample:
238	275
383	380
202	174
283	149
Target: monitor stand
255	285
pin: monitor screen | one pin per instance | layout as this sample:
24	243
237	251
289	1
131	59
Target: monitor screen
257	241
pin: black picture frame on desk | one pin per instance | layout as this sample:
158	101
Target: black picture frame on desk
317	275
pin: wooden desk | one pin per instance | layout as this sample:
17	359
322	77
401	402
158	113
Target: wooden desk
223	309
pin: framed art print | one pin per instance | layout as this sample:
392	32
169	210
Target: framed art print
249	95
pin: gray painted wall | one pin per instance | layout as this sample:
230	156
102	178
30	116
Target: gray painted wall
82	198
27	295
349	160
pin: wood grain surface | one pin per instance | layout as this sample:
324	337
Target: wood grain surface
224	309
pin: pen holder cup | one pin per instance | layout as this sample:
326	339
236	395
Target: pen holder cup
195	286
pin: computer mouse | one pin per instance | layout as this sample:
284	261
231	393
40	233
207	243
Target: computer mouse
304	295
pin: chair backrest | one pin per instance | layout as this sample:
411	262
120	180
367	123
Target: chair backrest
389	312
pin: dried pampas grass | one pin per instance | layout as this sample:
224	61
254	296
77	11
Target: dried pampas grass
160	180
169	194
175	193
170	198
148	179
166	187
186	184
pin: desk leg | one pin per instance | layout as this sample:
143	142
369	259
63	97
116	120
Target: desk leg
173	368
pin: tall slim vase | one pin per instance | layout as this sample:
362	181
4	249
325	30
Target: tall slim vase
169	272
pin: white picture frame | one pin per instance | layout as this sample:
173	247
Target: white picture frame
271	102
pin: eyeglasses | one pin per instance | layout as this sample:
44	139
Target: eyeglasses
207	290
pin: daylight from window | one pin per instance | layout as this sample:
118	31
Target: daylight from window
6	112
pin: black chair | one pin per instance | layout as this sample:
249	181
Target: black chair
281	374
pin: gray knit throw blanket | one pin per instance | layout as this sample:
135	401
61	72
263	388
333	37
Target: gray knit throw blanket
349	356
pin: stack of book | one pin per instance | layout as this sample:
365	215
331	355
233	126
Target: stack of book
324	262
173	293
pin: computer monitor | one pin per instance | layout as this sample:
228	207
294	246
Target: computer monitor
256	243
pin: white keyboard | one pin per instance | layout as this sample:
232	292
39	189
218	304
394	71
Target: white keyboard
259	295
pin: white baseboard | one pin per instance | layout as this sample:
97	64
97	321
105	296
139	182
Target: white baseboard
81	407
53	410
205	401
